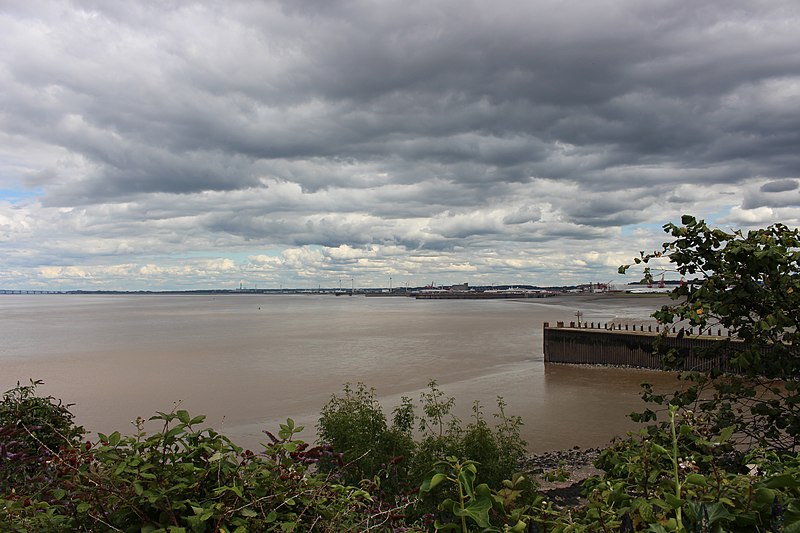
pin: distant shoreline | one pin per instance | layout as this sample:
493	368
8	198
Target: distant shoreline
558	292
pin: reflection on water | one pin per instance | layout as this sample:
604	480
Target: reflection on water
250	361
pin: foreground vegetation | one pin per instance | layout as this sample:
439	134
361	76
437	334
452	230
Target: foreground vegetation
719	455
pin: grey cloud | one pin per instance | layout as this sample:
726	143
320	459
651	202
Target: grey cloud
235	124
412	83
782	193
547	232
523	215
779	186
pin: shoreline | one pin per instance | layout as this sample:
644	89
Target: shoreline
560	474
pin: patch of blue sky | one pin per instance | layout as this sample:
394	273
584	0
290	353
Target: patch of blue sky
719	212
654	227
14	196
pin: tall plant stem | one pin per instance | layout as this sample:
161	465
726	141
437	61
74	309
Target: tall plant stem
675	471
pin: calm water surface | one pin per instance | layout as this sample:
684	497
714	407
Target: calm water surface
250	361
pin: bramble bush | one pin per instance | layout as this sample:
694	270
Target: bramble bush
178	479
33	430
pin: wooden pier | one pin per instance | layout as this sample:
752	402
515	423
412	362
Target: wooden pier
627	346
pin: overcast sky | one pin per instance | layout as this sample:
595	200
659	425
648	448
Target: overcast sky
172	144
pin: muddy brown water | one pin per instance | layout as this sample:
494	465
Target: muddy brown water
250	361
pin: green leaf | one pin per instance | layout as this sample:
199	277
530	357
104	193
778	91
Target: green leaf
236	490
660	449
114	438
431	482
519	527
696	479
793	527
718	513
477	510
467	478
782	481
248	512
183	416
673	500
177	430
726	434
447	505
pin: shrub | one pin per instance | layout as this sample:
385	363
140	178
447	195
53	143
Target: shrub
355	426
33	429
42	422
184	479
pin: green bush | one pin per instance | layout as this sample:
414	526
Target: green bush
675	477
39	422
679	478
355	426
33	430
395	463
184	479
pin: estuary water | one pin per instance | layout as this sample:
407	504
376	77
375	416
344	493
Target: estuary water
250	361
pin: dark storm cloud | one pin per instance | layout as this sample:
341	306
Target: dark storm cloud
445	82
779	186
782	193
448	125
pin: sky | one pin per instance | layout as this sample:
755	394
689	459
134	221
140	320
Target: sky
304	143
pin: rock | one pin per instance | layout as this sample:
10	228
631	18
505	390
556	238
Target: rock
561	473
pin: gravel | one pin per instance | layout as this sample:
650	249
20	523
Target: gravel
575	465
